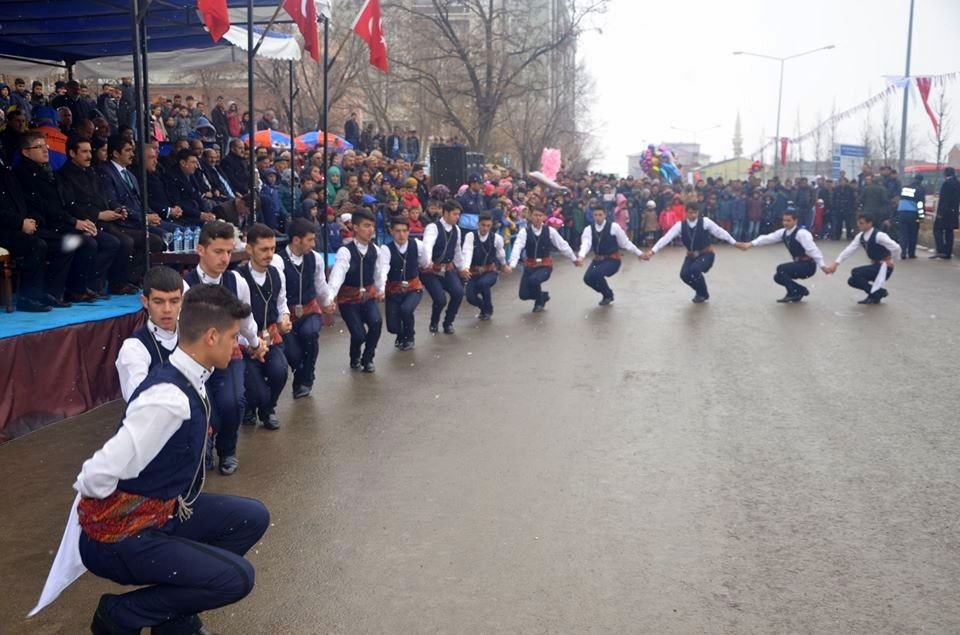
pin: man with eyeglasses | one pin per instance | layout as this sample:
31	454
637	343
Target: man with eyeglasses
62	232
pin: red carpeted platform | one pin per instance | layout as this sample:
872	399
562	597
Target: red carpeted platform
60	370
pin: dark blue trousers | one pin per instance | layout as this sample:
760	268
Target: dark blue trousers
790	271
400	308
264	381
364	323
862	277
228	400
184	568
301	346
597	273
477	291
909	232
438	287
692	272
531	281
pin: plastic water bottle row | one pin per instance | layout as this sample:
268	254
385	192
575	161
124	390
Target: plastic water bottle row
184	240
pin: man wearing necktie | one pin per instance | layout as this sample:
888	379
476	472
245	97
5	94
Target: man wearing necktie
120	189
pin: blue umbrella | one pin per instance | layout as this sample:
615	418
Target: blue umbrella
273	138
310	140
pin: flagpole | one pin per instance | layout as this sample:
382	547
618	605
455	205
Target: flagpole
325	140
252	124
293	151
906	97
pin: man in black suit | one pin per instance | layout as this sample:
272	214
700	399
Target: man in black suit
80	189
236	167
351	131
63	233
947	219
18	234
182	190
119	188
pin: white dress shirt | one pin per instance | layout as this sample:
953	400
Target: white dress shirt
279	298
319	279
133	361
804	237
882	239
709	225
586	239
555	238
468	247
248	326
430	236
342	265
151	419
386	255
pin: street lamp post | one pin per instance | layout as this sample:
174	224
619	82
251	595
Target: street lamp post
782	61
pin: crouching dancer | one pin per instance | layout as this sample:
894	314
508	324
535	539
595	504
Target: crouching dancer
144	518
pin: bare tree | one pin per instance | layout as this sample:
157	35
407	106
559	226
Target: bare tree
867	134
941	108
887	144
819	139
471	57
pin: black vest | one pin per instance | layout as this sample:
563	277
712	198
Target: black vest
604	242
300	287
172	471
362	268
443	250
158	353
227	280
694	238
875	252
484	253
263	298
539	247
792	244
403	266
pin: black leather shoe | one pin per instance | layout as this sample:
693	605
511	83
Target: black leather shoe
397	343
186	624
699	299
354	364
29	305
544	298
483	317
538	308
81	298
606	301
448	329
407	346
123	289
51	301
868	300
249	418
434	328
271	422
368	367
299	392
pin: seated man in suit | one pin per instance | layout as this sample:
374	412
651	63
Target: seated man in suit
182	190
236	167
121	191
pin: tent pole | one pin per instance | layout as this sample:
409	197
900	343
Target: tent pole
139	89
324	140
252	124
145	128
293	149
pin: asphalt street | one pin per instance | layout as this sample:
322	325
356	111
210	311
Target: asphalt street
655	466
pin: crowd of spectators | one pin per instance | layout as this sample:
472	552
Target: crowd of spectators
79	230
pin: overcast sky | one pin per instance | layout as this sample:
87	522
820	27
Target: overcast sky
663	64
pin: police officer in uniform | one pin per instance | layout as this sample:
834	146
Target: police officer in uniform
910	212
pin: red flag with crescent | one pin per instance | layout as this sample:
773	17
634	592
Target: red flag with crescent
369	27
304	13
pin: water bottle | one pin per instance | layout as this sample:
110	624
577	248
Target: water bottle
190	241
178	241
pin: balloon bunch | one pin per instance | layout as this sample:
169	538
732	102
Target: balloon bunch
657	163
755	167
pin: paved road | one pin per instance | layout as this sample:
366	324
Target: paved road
652	467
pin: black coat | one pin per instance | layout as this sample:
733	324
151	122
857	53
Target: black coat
182	191
13	204
80	189
948	207
237	171
42	193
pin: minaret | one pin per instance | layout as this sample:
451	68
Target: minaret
737	138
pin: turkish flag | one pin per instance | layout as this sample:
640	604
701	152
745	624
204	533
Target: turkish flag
304	13
369	27
923	85
215	16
